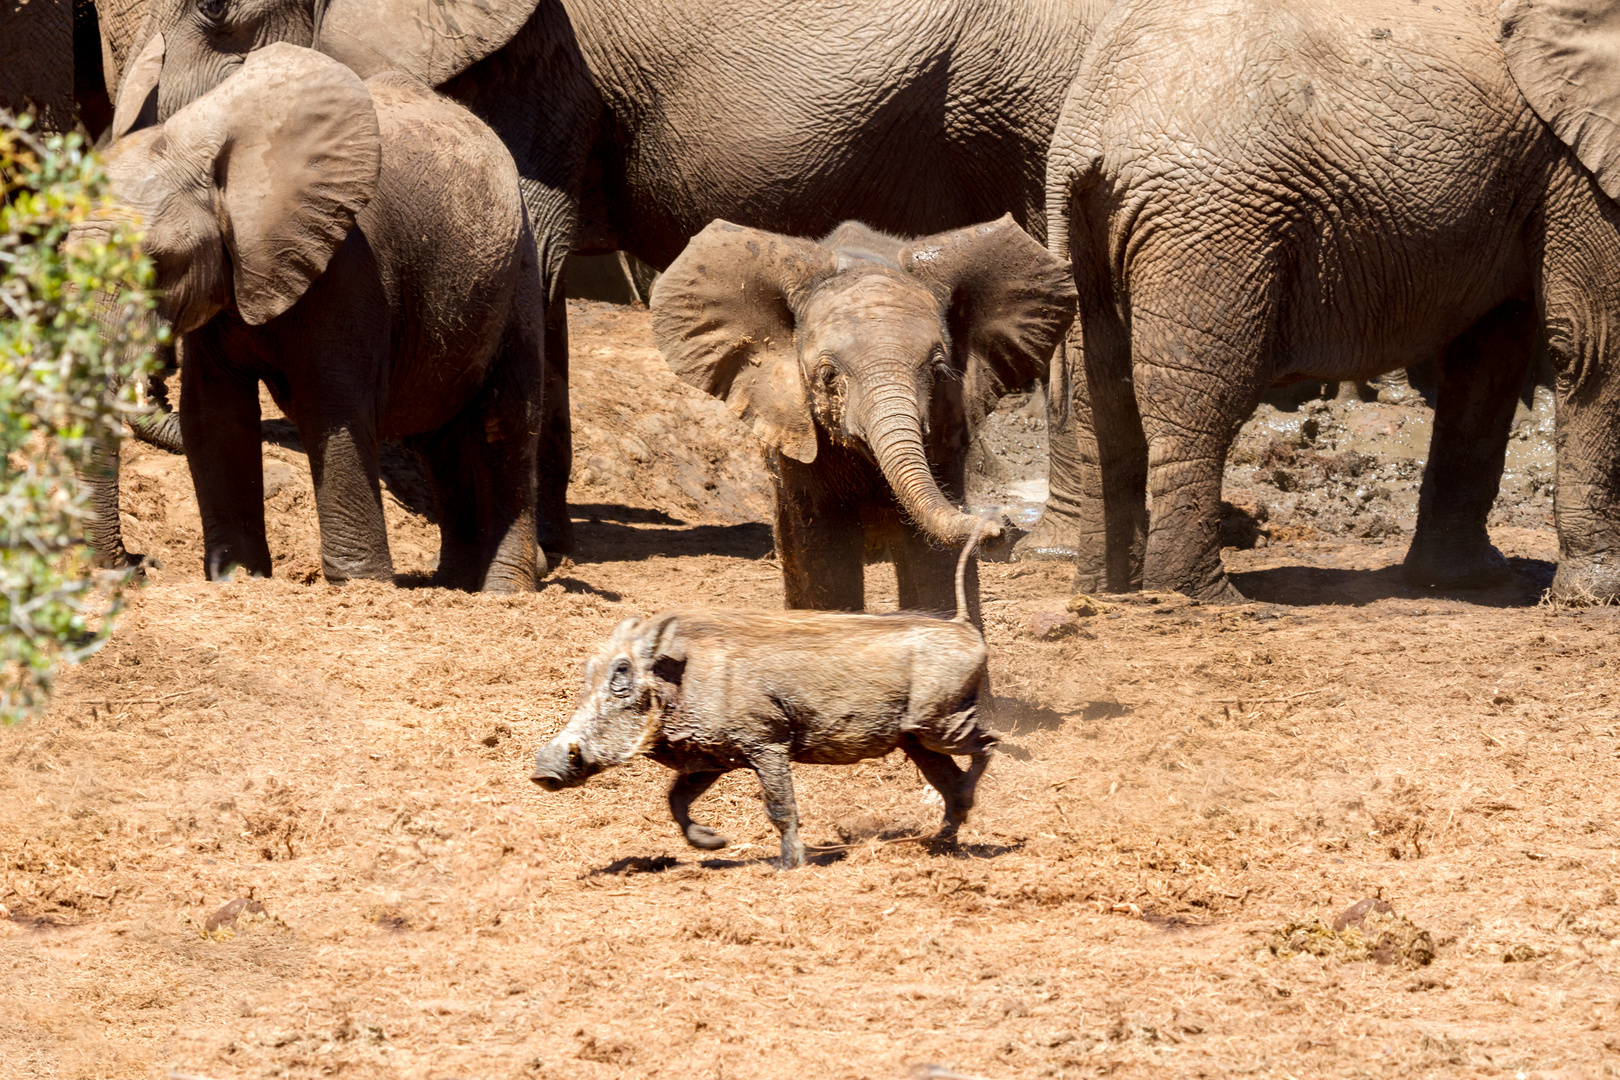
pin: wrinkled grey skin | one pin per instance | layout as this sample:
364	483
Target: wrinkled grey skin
36	62
634	124
1326	192
864	362
308	234
706	692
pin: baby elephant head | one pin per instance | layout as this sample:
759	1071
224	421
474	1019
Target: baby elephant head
872	339
629	685
246	194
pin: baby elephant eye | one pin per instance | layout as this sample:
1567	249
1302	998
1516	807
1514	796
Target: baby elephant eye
212	9
619	680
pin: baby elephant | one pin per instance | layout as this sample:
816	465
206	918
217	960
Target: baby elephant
865	363
705	692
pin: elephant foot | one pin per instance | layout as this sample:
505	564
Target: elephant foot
1587	583
1220	591
1453	567
1215	588
1055	536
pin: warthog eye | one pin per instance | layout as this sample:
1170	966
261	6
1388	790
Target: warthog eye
619	680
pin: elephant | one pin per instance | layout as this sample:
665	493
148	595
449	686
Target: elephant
864	362
361	248
634	124
1334	191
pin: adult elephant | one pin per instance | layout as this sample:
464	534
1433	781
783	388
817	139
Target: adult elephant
1333	191
634	124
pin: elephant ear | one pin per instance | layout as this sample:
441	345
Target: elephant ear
137	92
1007	301
297	157
723	316
1565	57
431	39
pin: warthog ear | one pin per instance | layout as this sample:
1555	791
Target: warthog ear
659	639
724	316
1007	300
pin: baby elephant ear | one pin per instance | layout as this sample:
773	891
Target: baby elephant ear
1007	300
723	316
299	152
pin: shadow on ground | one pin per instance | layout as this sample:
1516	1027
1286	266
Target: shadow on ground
618	534
1308	585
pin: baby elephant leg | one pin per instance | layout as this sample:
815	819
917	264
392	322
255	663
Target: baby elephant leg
682	794
953	785
772	765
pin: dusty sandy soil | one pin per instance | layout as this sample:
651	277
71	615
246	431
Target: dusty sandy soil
1189	798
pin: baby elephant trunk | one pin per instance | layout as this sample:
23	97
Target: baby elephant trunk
896	441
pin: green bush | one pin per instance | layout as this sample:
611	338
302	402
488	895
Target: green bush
73	322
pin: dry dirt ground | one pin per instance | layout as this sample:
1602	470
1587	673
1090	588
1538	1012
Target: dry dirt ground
1153	885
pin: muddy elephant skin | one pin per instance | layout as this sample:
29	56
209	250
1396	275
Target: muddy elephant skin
864	363
311	231
635	124
1325	191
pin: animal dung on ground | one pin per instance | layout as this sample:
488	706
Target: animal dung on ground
705	692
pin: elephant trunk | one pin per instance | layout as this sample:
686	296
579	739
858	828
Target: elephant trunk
106	533
161	426
895	436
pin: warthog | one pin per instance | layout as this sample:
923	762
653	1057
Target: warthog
706	692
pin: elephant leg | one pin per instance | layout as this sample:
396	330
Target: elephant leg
481	466
1194	390
337	424
555	457
1480	377
819	542
219	421
1111	456
926	575
1580	296
446	457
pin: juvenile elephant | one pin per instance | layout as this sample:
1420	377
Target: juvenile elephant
362	248
864	362
1332	191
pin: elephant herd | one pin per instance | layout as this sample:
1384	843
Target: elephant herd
1231	194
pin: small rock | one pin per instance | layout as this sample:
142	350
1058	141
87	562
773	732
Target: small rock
226	916
1085	606
1052	626
1356	914
1518	953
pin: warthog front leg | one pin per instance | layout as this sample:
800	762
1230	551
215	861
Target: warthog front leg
682	794
773	766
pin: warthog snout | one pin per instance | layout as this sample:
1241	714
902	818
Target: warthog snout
561	764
